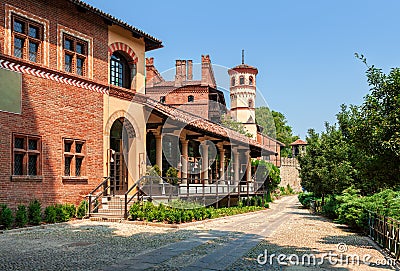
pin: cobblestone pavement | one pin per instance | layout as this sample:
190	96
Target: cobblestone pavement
232	243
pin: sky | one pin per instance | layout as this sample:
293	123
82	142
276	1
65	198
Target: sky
304	50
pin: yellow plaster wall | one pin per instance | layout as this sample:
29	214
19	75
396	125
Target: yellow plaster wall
119	34
135	114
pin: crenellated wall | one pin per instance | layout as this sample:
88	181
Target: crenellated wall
290	173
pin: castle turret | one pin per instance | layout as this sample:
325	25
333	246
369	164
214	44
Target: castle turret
243	96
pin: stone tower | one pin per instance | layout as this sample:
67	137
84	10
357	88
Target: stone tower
243	96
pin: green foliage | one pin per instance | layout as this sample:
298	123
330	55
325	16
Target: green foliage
82	209
6	217
364	150
154	171
59	213
275	125
162	213
237	126
35	212
21	216
50	214
305	198
266	173
70	209
172	175
325	168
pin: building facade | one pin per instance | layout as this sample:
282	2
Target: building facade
74	71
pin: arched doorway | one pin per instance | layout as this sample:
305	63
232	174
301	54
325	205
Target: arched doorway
121	133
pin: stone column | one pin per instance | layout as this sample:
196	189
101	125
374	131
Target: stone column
236	166
184	160
159	151
204	161
221	163
248	168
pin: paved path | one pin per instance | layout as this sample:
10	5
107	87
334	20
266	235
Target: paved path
231	243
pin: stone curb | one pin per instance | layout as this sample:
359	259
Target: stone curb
189	224
42	226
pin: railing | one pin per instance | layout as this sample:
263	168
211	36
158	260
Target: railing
96	193
168	188
386	232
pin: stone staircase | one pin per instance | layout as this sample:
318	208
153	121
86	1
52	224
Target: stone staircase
111	209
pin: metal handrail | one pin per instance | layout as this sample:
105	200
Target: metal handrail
91	194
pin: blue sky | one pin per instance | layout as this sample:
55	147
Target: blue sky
304	50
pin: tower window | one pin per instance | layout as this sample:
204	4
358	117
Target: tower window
190	98
233	81
251	103
251	80
162	99
241	80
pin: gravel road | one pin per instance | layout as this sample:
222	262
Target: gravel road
231	243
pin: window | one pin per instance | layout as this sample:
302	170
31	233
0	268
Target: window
26	155
233	81
27	39
121	71
74	154
251	103
241	80
251	80
190	98
75	55
162	99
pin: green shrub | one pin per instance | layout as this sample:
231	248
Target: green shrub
50	214
62	214
172	175
330	207
305	198
6	217
35	212
70	209
133	211
289	189
82	209
21	216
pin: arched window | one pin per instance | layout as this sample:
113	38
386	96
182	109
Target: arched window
251	103
190	98
121	73
233	81
251	80
162	99
241	80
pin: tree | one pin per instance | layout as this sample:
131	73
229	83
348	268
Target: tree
237	126
266	173
326	167
275	125
373	131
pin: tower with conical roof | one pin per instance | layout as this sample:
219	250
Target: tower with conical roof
243	95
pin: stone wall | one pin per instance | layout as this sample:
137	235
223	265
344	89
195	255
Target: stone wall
290	173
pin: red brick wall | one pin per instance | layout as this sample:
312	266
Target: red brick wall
66	14
55	110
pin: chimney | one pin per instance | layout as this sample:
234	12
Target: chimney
183	70
178	73
207	74
149	71
152	75
190	70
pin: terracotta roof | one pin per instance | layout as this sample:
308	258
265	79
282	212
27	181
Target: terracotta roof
151	42
200	123
244	66
298	142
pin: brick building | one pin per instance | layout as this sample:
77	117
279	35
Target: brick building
68	74
199	97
